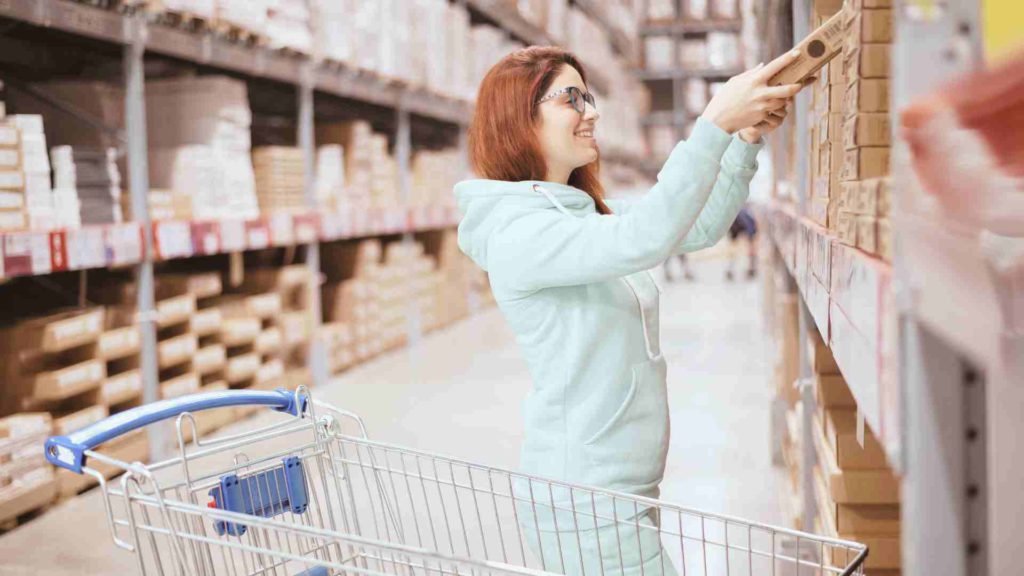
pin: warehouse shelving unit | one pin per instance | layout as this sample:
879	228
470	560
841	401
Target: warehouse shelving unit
666	85
930	346
299	91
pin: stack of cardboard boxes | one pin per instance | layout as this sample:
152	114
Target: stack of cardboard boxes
358	143
26	200
434	175
856	492
87	186
851	134
284	341
56	364
26	480
280	178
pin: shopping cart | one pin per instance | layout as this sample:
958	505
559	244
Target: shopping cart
308	493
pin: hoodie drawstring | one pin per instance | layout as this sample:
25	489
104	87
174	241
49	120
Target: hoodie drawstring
551	197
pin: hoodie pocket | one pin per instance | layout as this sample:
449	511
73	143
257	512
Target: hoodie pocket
630	449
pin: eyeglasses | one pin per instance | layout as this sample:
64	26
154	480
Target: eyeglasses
578	98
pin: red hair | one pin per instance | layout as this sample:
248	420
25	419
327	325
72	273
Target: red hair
503	143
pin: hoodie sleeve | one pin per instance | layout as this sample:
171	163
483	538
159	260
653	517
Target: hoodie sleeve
731	190
537	249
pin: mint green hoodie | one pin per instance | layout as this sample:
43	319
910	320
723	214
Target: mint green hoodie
573	285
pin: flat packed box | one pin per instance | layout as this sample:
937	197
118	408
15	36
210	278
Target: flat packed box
9	136
64	425
867	129
867	95
56	332
868	61
816	50
179	386
121	387
865	162
840	431
61	383
119	342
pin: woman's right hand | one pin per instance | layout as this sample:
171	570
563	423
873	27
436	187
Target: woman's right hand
747	99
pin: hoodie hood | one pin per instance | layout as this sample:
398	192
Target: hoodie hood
486	206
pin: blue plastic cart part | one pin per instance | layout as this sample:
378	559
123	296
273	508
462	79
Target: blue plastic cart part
69	451
267	494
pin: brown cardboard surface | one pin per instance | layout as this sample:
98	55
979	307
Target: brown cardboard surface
867	234
868	61
176	350
122	387
884	200
846	228
832	392
21	497
862	4
78	419
873	25
119	342
840	430
200	285
865	162
205	322
65	382
816	50
187	383
242	367
55	332
884	240
173	311
867	95
866	129
210	358
822	361
239	331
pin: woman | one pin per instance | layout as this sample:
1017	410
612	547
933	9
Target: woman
569	272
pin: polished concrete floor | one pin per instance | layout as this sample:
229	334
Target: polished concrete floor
459	392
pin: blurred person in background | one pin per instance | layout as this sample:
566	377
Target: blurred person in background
569	271
744	225
684	265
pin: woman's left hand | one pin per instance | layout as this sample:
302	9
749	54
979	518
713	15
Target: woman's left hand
774	120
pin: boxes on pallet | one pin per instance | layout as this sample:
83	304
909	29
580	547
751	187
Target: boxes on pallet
288	25
26	479
330	176
355	138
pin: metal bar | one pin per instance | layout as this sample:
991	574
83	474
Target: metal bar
317	359
138	183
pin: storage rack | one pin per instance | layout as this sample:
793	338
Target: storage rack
931	346
661	81
308	89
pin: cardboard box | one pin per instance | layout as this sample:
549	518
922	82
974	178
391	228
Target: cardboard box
832	392
867	129
66	382
868	61
865	162
239	331
884	240
816	50
209	359
9	136
884	199
176	350
205	322
173	311
78	419
241	368
822	361
120	388
269	341
10	159
864	487
200	285
873	25
846	228
867	95
56	332
119	342
840	431
830	126
187	383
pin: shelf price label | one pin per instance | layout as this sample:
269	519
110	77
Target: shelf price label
172	239
83	248
232	235
124	244
59	240
257	234
307	228
282	232
206	237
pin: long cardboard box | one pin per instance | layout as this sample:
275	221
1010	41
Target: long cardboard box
872	25
868	61
866	129
816	50
56	332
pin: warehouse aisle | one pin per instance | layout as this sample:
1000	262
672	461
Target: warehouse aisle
459	392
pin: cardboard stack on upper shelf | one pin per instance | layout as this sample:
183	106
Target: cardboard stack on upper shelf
288	25
280	178
434	175
26	198
88	181
199	144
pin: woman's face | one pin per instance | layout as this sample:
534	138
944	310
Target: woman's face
566	136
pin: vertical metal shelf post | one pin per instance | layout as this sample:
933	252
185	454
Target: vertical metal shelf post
138	189
941	531
403	153
317	359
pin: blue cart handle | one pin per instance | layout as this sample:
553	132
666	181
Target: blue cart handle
69	451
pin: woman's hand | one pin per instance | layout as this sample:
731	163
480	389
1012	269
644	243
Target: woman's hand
753	134
747	100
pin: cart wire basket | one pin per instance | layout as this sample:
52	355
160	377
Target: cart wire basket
310	494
